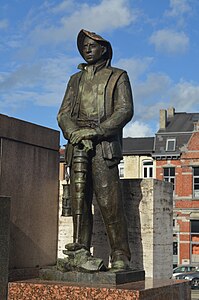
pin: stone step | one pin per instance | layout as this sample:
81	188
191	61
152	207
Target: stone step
144	290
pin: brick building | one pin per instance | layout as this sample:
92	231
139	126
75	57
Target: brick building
176	151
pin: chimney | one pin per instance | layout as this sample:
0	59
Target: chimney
196	126
163	118
171	112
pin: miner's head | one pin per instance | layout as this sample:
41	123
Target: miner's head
93	47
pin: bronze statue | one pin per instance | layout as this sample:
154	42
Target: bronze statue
97	105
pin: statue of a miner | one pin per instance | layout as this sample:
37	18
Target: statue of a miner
96	106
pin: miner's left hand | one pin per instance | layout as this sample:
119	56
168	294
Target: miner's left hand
82	134
88	145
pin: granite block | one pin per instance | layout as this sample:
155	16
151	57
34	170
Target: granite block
4	244
29	175
3	270
23	274
4	240
108	277
3	291
143	290
28	133
4	216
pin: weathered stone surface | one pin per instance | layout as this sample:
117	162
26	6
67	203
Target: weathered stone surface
28	133
23	274
4	244
3	291
149	209
29	174
143	290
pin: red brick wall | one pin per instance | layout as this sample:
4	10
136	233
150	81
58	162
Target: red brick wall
183	195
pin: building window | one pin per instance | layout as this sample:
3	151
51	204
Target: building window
65	172
170	145
147	169
169	175
194	245
175	248
121	169
196	126
196	182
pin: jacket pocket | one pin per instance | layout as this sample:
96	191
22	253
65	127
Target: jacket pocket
111	149
116	149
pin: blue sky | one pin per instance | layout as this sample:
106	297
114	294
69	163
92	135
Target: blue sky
157	42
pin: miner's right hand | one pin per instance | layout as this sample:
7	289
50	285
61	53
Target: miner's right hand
82	134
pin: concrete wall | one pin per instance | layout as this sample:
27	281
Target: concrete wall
149	210
29	163
133	166
4	244
65	233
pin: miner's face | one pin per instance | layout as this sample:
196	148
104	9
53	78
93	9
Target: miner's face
92	51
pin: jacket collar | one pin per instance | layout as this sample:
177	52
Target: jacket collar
96	67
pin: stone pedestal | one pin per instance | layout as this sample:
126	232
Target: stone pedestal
29	161
4	244
143	290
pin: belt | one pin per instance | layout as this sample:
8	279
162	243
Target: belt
87	123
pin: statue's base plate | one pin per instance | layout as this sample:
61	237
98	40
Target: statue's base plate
108	277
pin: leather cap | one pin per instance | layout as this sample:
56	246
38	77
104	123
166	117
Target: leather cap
84	33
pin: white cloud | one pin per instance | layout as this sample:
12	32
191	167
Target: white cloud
62	6
135	66
185	96
137	129
4	24
21	77
182	95
178	8
16	99
150	112
170	41
107	15
43	83
156	84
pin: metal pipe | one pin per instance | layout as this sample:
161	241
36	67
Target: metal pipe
80	172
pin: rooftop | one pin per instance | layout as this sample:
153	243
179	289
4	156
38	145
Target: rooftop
140	145
180	122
